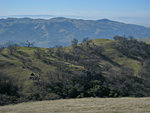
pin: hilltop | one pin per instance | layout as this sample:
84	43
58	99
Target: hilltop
60	31
97	68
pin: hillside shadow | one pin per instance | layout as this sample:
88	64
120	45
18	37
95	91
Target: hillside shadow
109	60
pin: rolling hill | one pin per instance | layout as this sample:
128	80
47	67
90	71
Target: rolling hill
94	68
60	31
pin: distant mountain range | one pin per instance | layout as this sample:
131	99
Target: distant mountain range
60	31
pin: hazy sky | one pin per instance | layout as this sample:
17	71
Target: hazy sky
130	11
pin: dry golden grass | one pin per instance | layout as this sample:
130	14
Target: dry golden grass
85	105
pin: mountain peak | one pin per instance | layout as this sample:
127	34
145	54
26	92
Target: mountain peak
104	20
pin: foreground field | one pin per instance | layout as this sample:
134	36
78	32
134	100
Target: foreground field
85	105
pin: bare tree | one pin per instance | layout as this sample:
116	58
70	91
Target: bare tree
29	44
85	39
1	48
74	42
12	48
39	53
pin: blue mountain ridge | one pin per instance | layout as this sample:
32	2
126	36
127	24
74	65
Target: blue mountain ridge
60	30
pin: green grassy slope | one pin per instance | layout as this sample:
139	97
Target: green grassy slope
35	69
14	64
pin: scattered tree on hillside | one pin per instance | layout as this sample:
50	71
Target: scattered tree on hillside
132	48
13	48
80	71
85	39
29	44
59	51
74	42
1	49
50	51
8	90
39	53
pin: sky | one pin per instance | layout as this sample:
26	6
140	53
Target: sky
128	11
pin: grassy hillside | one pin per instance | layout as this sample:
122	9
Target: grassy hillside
85	105
98	68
